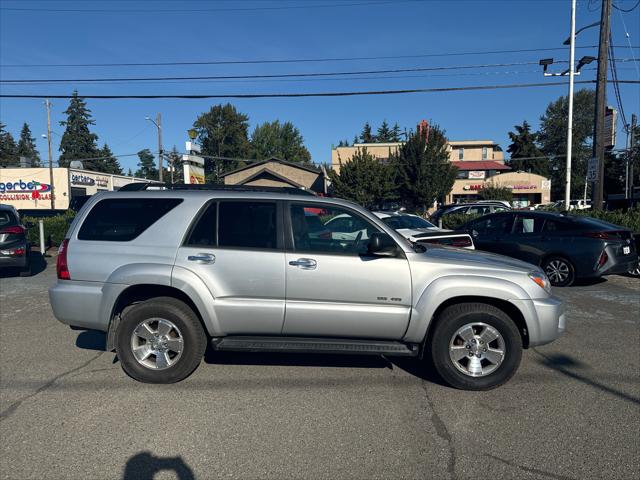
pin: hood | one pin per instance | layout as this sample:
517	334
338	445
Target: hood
482	259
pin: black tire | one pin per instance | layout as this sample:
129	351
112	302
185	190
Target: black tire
457	316
552	263
176	312
26	270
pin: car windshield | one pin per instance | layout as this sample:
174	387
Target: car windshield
407	221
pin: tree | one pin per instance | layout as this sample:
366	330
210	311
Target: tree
523	150
425	173
384	133
8	149
109	163
364	179
492	191
366	136
174	160
395	133
27	146
77	140
284	141
129	173
147	165
552	139
223	132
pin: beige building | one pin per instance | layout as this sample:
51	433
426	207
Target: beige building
278	173
478	161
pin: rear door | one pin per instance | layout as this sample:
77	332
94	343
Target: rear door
526	240
236	248
491	232
333	288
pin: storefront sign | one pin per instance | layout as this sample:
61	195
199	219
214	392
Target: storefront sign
473	187
84	180
22	186
477	175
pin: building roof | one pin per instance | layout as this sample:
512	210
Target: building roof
253	164
475	143
480	165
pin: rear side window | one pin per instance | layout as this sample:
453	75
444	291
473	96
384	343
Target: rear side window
528	224
558	226
123	219
7	219
204	232
247	225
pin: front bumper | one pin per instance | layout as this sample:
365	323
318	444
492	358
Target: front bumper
545	319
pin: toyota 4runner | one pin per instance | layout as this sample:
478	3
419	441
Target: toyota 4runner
167	272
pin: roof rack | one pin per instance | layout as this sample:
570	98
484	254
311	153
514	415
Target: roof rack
140	186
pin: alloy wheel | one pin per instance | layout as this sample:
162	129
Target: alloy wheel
558	271
477	349
157	343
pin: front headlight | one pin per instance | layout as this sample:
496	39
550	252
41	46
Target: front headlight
541	280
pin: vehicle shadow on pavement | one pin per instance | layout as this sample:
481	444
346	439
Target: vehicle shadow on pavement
564	363
92	340
144	466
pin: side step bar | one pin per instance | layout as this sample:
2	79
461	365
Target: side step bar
314	345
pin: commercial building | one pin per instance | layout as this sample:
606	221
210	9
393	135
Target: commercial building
278	173
31	189
479	162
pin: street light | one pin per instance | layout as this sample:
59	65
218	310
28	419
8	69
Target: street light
158	124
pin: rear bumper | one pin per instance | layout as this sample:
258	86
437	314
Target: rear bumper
620	265
13	261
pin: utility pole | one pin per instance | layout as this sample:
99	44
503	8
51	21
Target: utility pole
53	197
159	125
572	54
601	104
629	177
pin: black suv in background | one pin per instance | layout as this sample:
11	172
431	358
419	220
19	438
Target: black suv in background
566	247
14	245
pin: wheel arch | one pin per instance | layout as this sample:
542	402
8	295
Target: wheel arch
140	293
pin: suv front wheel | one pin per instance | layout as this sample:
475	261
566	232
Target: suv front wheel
160	340
476	346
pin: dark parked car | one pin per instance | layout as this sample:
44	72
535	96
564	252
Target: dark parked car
14	245
566	247
478	208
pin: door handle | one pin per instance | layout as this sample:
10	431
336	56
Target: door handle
304	263
202	258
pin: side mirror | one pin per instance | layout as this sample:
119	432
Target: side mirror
382	244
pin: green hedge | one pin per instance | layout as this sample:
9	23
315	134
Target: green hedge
629	219
455	221
54	227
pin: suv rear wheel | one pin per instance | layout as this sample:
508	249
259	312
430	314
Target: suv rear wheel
476	346
160	340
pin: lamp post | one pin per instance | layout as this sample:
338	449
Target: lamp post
572	72
158	124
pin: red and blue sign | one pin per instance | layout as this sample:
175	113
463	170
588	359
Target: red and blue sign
21	186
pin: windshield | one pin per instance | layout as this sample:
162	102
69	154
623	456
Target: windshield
407	221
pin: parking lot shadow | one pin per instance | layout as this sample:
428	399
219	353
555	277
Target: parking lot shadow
92	340
38	264
144	466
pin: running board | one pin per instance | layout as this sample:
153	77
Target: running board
314	345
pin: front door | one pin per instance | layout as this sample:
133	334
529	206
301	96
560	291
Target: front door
490	233
235	248
334	288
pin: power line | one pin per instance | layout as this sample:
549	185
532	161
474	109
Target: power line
292	60
313	94
304	6
628	10
281	75
616	86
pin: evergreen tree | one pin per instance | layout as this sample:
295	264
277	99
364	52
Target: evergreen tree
77	141
8	148
523	146
552	139
109	163
223	132
364	180
366	136
384	133
174	160
27	146
129	173
395	133
283	141
355	140
147	165
425	173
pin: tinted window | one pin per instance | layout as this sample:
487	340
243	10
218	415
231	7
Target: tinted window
204	232
479	210
7	219
528	224
407	221
342	231
247	225
558	226
493	225
123	219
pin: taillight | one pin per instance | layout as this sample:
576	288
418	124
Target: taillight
17	230
461	242
605	235
603	259
62	267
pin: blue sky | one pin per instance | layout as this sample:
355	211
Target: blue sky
356	28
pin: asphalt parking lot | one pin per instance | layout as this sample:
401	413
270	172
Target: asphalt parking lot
68	411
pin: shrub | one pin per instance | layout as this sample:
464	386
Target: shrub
55	227
629	219
456	220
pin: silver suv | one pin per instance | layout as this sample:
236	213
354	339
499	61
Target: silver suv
167	272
